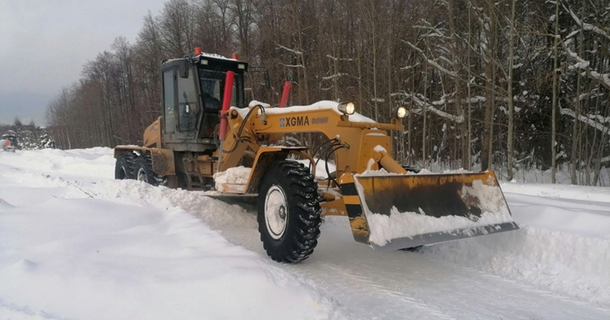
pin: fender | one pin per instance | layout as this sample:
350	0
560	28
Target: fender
265	156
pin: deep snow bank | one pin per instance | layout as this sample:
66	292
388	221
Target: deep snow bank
75	244
564	243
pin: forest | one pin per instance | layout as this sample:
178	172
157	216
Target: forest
504	84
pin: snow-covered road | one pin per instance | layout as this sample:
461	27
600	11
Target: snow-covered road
76	244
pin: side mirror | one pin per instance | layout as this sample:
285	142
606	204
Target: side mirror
183	69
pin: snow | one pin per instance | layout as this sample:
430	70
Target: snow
232	180
379	148
207	55
254	103
125	250
592	123
76	244
564	243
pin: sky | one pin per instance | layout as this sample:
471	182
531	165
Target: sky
45	43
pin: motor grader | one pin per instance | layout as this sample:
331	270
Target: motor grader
208	138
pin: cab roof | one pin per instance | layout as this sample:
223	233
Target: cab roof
211	61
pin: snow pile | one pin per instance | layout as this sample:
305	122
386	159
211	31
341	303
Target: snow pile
81	247
408	224
88	164
574	265
563	244
237	175
232	180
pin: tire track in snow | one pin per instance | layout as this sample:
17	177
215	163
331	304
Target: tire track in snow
387	294
12	311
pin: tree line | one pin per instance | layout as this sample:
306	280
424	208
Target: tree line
29	136
505	84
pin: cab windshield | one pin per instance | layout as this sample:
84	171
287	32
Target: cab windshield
212	89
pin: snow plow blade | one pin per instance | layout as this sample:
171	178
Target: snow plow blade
405	211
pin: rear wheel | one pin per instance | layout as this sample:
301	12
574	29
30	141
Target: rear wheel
143	171
124	166
288	212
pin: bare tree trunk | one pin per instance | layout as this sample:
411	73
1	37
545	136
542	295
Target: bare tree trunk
373	23
68	138
423	136
511	107
462	144
469	114
554	107
490	72
574	158
410	123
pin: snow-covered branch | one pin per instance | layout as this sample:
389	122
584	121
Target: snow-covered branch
293	65
432	62
592	123
429	107
582	64
432	32
587	26
411	67
331	77
290	50
338	59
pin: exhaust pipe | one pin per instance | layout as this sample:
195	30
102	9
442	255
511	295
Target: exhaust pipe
285	94
226	104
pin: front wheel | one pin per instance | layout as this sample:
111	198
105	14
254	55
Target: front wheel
144	172
288	212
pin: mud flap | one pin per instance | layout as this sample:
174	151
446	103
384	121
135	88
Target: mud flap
403	211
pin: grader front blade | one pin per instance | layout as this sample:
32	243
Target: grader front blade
404	211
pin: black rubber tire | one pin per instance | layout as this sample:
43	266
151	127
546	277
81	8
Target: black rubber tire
302	215
143	171
123	168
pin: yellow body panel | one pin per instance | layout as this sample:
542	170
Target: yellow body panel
152	134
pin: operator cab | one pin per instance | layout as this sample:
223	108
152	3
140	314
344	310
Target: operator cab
193	90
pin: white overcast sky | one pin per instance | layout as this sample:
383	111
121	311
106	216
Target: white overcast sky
45	43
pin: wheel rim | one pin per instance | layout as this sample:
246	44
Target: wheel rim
276	212
141	176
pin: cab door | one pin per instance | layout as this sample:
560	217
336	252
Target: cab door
188	105
170	101
180	106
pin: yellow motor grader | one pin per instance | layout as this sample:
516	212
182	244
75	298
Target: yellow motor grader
208	138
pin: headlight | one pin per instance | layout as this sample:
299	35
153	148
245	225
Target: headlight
401	112
347	108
